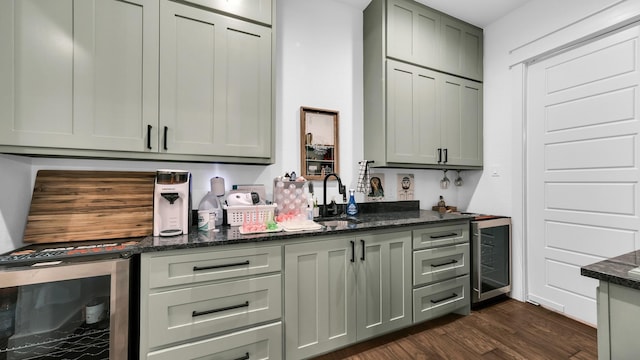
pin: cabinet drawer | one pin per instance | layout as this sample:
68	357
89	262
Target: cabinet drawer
182	314
437	264
440	298
440	236
201	265
264	342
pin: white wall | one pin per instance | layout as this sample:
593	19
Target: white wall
536	27
319	64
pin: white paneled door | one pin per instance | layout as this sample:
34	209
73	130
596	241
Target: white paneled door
582	168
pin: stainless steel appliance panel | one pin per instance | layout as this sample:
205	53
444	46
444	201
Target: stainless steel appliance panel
491	258
74	310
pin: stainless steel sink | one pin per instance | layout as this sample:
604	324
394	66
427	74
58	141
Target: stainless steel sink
337	221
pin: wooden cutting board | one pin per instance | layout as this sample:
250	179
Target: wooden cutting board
90	205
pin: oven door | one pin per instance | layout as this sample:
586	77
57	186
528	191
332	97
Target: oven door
491	258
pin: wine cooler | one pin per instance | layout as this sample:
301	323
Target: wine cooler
65	310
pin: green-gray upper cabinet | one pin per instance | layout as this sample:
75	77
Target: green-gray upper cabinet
431	119
257	10
413	114
78	75
215	83
461	50
422	88
140	79
461	121
426	37
413	33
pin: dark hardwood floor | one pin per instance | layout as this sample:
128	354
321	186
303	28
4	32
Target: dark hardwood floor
506	329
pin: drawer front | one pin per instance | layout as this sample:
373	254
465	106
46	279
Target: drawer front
440	236
201	265
181	314
440	298
437	264
264	342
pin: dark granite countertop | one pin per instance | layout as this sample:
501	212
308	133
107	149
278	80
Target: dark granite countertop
225	235
615	270
231	235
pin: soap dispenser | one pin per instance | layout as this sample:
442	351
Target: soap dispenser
352	207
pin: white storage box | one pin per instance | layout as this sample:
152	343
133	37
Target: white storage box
256	213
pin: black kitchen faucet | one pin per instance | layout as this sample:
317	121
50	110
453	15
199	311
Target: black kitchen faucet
341	189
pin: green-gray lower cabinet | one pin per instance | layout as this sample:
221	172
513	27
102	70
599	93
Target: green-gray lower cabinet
618	321
441	265
339	290
199	302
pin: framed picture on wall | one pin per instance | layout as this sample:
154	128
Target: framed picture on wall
318	142
405	186
376	191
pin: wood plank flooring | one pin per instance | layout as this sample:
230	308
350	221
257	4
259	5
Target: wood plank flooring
506	329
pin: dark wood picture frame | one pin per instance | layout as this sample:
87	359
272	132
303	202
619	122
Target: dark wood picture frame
319	142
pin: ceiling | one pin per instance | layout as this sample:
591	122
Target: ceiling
477	12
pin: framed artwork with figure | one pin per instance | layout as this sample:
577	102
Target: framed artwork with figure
405	186
376	187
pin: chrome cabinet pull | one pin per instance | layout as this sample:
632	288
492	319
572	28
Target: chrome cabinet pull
200	268
444	299
206	312
443	264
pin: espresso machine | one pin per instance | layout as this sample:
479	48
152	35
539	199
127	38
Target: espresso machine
171	203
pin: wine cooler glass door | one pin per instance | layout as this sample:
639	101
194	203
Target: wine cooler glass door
64	312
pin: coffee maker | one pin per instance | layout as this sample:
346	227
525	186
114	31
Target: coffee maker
171	203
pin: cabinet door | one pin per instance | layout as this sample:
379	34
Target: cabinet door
461	106
413	124
80	75
461	48
413	33
384	283
320	298
259	10
215	84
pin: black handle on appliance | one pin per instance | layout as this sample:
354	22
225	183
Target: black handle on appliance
446	155
200	268
362	243
245	357
444	299
166	128
200	313
353	251
447	263
149	136
439	155
442	236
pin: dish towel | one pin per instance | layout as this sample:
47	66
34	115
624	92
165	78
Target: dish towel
364	177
